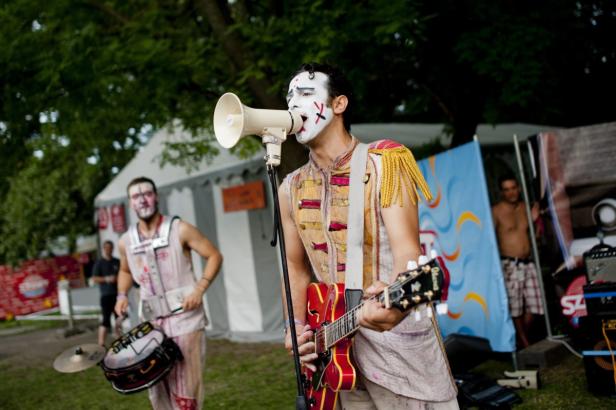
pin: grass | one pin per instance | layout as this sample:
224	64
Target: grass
563	387
247	376
31	325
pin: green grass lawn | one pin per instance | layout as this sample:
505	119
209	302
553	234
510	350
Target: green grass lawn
563	387
28	325
248	376
237	376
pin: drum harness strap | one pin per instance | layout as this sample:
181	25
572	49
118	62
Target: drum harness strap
168	302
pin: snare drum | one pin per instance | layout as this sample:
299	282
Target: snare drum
139	359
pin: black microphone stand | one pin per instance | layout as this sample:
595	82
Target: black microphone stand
300	401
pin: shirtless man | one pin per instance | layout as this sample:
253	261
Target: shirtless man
511	225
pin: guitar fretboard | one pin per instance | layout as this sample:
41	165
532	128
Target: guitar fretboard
345	325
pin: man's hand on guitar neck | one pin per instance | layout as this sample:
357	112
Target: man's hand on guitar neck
374	315
305	345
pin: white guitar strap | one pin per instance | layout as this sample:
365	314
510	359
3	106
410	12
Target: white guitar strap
149	246
354	272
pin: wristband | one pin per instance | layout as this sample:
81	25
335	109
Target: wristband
121	296
202	288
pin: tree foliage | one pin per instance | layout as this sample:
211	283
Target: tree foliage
80	80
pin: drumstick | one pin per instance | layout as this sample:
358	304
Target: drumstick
171	313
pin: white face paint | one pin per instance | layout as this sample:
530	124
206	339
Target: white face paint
309	97
143	200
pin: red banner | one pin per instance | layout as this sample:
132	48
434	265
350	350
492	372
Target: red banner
33	286
103	218
118	218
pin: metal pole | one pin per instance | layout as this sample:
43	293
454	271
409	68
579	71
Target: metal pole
300	400
71	322
533	241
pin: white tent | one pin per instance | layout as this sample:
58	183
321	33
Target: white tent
244	303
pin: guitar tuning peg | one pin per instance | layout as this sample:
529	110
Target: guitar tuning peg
417	316
442	308
433	254
423	259
411	265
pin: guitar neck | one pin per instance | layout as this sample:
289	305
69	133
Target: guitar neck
410	289
346	324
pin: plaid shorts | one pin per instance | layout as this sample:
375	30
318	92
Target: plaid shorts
522	287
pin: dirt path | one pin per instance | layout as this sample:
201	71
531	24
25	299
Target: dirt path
36	347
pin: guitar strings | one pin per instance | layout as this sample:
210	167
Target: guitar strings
339	326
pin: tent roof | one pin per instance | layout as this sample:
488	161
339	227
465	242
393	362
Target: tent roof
146	161
419	134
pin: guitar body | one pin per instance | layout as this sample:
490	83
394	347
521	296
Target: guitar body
334	327
335	371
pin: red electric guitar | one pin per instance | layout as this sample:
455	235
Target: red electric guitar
333	328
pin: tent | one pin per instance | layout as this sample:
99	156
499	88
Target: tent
245	302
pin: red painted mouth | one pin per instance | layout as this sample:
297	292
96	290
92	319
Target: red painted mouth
304	118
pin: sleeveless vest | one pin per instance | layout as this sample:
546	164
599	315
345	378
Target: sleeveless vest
175	271
408	360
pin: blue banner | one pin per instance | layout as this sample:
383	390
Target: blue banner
457	223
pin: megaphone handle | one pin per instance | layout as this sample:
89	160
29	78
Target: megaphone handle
273	139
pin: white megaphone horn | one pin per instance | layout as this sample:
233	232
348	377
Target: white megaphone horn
233	120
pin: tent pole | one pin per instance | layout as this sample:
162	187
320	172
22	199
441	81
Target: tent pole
533	239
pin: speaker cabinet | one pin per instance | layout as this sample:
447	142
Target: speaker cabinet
600	299
600	354
465	352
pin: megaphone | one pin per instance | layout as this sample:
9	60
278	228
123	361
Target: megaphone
233	120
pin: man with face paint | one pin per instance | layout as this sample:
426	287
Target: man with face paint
400	358
165	271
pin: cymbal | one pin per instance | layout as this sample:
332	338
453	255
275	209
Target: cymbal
78	358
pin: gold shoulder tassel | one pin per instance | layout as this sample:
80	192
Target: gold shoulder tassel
400	171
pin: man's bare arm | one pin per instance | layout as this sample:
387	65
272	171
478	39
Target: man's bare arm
125	281
299	271
299	279
402	226
495	220
193	239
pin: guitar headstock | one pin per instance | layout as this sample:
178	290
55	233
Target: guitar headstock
420	284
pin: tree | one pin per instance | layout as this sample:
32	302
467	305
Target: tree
99	72
515	61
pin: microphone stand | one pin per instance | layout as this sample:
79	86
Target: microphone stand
273	139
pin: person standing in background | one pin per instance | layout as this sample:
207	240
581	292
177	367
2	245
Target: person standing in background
105	273
519	270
